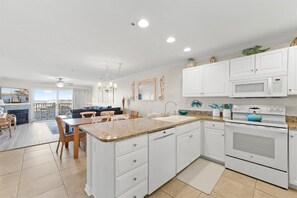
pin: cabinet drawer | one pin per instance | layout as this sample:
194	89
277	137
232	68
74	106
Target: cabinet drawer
195	125
130	145
181	129
131	179
130	161
214	125
138	191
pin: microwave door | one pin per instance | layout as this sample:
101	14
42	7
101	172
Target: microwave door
255	88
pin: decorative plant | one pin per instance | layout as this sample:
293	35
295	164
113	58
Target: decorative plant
254	50
227	106
215	106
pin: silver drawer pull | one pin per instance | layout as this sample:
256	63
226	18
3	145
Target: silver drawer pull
291	136
213	125
134	178
134	196
134	145
134	161
191	136
223	135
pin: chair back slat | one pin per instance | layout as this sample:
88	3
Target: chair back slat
88	114
107	113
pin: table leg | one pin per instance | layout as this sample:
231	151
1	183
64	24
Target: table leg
76	141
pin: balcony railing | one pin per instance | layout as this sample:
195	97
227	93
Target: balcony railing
48	111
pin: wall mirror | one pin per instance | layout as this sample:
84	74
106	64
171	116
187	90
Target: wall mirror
146	90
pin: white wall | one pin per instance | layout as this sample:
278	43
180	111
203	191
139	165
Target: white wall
173	89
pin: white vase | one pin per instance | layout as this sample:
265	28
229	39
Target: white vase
227	113
216	112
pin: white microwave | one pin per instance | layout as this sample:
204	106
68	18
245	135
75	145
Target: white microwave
259	87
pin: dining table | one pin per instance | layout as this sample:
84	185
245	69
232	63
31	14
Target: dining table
75	123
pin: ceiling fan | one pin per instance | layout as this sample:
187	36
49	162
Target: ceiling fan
60	83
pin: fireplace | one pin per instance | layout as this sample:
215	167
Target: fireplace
22	115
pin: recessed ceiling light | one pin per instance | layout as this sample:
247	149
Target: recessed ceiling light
170	40
187	49
143	23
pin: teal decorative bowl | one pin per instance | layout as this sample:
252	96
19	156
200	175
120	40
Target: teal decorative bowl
183	112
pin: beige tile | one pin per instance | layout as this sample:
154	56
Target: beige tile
9	180
188	192
37	161
40	185
212	195
36	148
67	163
77	193
238	177
260	194
74	180
173	187
275	191
232	189
11	156
57	192
10	167
159	194
38	153
38	171
10	192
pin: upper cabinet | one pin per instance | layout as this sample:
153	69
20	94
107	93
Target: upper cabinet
292	71
206	80
192	82
267	63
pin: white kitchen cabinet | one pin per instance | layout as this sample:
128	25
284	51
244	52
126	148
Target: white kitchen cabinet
206	80
275	61
188	145
292	71
243	66
214	141
216	79
260	65
192	82
293	157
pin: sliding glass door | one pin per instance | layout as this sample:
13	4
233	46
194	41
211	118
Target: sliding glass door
49	103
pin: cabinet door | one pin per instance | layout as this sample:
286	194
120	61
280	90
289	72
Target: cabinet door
195	144
216	79
214	144
293	158
183	151
242	67
275	62
192	82
292	71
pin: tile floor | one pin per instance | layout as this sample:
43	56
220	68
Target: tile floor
38	172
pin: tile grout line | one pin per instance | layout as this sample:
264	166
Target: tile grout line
20	174
59	171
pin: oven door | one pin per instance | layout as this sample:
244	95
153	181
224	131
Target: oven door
266	146
251	88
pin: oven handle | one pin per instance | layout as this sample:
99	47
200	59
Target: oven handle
274	129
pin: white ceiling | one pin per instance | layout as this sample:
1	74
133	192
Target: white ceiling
41	40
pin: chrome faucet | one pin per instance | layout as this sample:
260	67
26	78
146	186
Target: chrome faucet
165	111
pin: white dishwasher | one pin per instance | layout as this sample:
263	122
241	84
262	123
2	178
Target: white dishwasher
162	158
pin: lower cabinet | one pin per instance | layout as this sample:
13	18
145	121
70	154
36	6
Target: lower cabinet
214	141
188	145
293	157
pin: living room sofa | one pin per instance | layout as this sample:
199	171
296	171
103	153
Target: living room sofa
76	112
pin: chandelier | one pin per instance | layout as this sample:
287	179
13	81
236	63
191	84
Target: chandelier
107	86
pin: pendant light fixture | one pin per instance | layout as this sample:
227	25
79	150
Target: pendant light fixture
60	83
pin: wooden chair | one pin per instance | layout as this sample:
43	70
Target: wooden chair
120	117
88	114
12	119
107	113
66	138
134	114
5	124
99	119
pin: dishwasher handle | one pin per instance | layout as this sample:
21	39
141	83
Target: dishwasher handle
158	138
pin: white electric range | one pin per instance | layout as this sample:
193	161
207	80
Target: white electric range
258	149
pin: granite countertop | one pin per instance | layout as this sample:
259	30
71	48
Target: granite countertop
123	129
